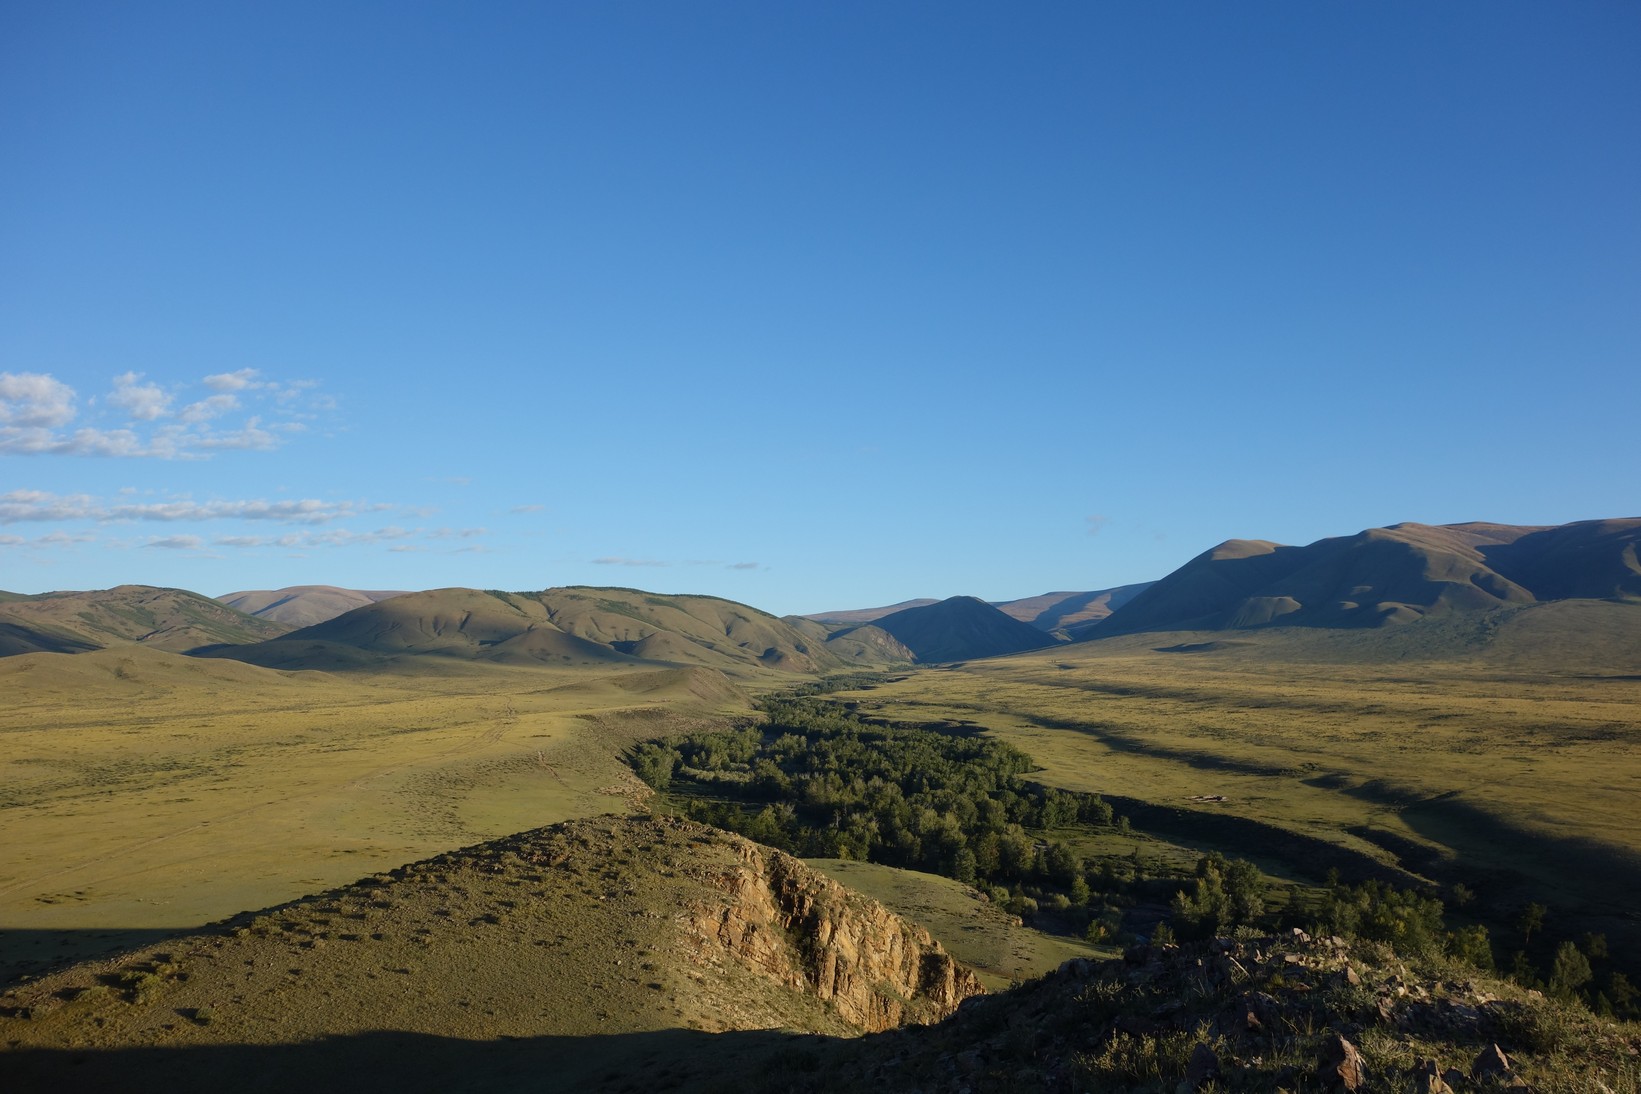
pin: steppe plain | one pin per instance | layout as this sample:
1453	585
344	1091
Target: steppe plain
147	794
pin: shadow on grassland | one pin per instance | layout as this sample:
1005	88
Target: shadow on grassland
34	951
393	1062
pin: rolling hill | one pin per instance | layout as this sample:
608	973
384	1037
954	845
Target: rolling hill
956	629
303	605
557	626
854	617
166	619
1391	575
1070	615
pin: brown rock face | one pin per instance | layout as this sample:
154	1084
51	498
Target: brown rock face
1341	1064
786	922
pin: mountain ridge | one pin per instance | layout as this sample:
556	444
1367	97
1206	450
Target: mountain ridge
1386	576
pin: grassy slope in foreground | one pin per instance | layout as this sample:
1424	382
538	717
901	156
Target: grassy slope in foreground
572	942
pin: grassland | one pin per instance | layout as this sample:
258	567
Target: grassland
144	792
1518	779
978	933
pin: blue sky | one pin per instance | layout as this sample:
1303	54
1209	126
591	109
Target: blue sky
807	305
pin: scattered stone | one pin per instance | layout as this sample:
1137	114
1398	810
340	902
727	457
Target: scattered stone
1492	1063
1204	1066
1341	1064
1427	1080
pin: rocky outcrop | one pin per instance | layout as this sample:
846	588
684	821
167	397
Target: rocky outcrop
790	924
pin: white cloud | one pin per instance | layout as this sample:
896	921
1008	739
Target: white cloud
34	408
33	400
144	402
177	543
213	407
238	380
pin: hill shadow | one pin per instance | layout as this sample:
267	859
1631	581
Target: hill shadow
30	952
397	1062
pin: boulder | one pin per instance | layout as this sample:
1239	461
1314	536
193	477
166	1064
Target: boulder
1341	1066
1492	1063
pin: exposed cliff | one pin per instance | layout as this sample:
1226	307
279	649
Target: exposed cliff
807	932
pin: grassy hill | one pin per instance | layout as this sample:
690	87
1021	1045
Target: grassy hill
567	626
303	605
167	619
579	952
1070	615
854	617
957	629
1387	576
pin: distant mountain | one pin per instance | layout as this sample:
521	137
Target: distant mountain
957	629
1064	615
304	605
869	645
167	619
1388	575
854	617
557	626
1070	614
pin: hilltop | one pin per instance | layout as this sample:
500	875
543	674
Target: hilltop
1383	576
304	605
1063	615
166	619
564	626
959	628
1070	615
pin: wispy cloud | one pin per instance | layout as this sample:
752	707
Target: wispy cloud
615	560
18	506
54	540
1097	523
343	537
177	543
527	509
716	562
138	419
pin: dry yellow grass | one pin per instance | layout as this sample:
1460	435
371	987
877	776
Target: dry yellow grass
144	791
